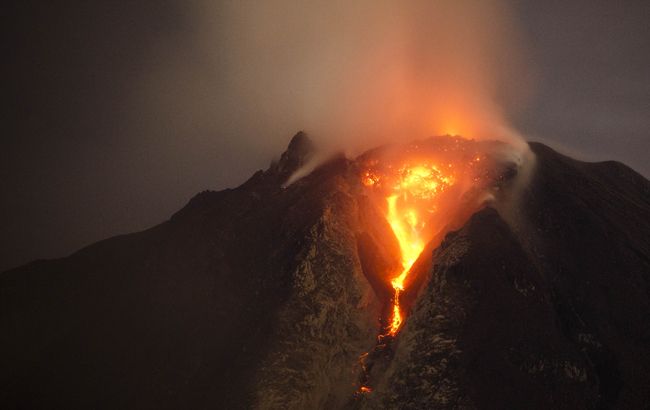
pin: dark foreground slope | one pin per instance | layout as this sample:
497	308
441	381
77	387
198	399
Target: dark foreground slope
260	297
245	291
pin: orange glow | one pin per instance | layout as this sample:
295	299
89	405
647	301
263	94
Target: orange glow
423	189
369	179
412	198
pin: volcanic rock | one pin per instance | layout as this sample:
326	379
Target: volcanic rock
265	296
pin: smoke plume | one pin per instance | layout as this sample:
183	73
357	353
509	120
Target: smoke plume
357	74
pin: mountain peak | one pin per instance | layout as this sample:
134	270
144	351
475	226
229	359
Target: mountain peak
261	297
300	150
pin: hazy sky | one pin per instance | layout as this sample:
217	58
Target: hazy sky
117	114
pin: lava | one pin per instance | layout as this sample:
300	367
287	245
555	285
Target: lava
424	189
412	197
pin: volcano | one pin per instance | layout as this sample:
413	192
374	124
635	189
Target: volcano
527	286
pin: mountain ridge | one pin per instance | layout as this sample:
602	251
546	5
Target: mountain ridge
236	301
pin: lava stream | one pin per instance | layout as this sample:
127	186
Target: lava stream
415	192
412	198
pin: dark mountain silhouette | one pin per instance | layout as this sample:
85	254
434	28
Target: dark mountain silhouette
265	296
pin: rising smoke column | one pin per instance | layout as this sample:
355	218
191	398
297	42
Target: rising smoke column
358	74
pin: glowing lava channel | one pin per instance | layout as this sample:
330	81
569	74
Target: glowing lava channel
412	200
414	189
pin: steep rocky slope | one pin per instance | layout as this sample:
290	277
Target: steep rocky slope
265	296
252	296
538	303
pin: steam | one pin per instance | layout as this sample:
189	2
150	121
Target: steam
358	74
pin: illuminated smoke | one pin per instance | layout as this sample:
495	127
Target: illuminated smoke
356	74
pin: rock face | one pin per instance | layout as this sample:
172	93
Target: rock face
538	305
265	297
250	297
484	332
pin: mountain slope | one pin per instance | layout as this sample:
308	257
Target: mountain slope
542	304
264	296
182	315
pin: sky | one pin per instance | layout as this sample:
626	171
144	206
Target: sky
117	114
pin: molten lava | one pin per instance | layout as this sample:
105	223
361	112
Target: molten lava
425	189
412	197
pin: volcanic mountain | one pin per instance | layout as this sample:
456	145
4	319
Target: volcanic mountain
442	273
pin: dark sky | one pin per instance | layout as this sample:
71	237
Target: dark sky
88	152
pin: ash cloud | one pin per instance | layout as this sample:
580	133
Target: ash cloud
117	105
358	74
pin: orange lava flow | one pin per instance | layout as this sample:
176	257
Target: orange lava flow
412	198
